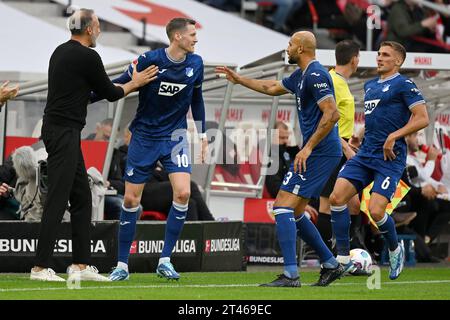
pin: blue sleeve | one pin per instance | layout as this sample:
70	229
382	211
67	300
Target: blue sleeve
411	96
198	109
319	85
143	60
290	83
199	80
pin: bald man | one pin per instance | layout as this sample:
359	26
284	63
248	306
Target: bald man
319	155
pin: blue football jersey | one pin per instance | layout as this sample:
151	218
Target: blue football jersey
310	88
164	102
387	108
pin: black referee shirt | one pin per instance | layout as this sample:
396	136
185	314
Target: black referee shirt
74	71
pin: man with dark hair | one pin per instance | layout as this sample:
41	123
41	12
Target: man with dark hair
159	134
74	71
394	108
347	60
319	155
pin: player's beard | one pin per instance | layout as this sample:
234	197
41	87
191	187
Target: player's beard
93	41
292	60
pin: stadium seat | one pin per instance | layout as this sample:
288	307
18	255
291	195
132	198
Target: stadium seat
153	215
258	210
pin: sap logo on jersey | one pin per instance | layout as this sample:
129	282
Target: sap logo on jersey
170	89
370	105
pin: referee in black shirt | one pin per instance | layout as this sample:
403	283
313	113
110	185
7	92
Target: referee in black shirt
74	71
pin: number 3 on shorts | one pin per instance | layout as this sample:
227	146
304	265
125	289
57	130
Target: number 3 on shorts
386	183
182	160
287	178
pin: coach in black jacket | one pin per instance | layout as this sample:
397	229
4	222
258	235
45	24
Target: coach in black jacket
74	71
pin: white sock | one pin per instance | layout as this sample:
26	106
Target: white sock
343	259
122	265
163	260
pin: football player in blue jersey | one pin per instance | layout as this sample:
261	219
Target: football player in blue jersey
393	108
320	154
159	134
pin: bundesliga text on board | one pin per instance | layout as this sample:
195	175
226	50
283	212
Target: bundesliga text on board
156	246
18	246
222	245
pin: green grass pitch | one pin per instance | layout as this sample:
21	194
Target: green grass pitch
414	283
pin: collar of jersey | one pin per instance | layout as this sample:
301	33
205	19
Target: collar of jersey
388	78
311	62
339	75
171	60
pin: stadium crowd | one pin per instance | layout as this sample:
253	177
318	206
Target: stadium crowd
417	28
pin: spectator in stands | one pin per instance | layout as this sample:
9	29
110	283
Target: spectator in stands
7	93
26	196
445	21
284	157
8	204
157	194
102	131
113	203
433	213
407	21
283	11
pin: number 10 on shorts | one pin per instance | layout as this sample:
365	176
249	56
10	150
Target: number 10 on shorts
182	160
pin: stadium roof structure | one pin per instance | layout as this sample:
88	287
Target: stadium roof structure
28	43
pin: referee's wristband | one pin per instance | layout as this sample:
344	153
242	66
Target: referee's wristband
202	135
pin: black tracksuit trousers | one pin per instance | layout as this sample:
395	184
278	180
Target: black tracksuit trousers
67	183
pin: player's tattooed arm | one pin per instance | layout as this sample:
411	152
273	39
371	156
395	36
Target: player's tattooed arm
327	122
269	87
418	121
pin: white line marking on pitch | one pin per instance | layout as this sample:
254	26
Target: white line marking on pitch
209	286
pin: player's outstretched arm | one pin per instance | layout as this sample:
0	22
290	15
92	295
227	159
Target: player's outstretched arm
419	120
269	87
329	119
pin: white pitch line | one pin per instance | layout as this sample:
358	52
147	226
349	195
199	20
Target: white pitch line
210	286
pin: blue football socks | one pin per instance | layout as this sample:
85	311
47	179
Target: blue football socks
287	239
387	227
127	229
309	233
340	221
174	225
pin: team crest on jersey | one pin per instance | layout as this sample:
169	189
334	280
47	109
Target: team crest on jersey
386	88
130	171
189	72
370	105
170	89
